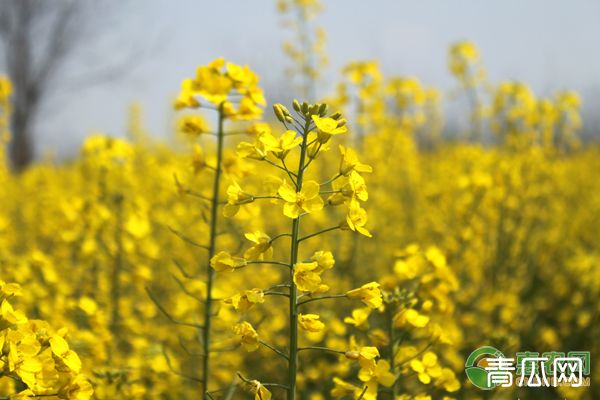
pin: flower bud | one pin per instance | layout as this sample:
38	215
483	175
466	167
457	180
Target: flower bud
304	108
322	110
296	105
278	112
336	116
352	355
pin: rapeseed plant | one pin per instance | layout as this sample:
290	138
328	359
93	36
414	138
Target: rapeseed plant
250	289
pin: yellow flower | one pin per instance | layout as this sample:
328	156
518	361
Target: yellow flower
262	247
305	277
310	322
369	293
351	188
60	348
235	197
427	368
223	261
78	389
241	75
10	315
185	99
306	200
381	374
413	317
10	289
365	356
358	186
282	146
315	147
247	110
247	335
350	162
344	389
258	128
356	219
211	84
260	392
88	305
257	150
243	301
448	380
359	317
198	159
192	125
329	126
324	260
409	268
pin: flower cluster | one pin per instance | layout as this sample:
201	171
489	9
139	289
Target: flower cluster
37	358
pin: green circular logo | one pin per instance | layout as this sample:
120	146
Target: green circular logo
477	374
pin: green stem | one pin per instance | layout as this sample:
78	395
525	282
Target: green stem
117	268
293	361
333	296
391	350
333	228
318	348
327	182
211	253
269	262
279	352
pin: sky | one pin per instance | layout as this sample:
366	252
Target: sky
550	44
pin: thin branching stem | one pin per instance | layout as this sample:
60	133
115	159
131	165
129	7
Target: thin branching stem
276	294
185	290
277	385
290	173
187	239
174	371
331	180
333	228
168	315
318	348
362	394
333	296
269	262
274	238
275	350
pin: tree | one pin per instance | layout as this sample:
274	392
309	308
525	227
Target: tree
38	39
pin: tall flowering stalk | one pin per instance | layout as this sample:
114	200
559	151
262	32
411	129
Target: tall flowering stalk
232	92
308	133
5	112
464	63
307	47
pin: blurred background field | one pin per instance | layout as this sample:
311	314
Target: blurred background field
476	127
